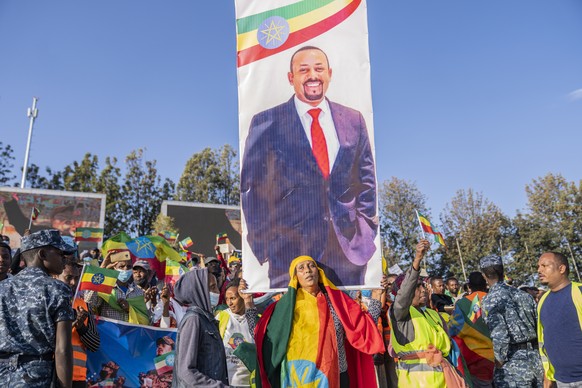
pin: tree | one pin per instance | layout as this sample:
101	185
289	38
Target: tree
552	222
478	225
398	202
108	184
142	194
211	176
164	224
82	176
6	164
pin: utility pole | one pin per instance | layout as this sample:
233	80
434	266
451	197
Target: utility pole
31	113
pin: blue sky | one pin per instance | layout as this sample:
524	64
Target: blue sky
484	95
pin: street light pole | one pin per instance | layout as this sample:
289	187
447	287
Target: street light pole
32	113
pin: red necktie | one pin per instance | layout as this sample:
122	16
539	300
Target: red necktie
318	143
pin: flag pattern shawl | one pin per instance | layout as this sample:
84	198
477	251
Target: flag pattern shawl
428	228
89	234
98	279
474	338
296	341
264	34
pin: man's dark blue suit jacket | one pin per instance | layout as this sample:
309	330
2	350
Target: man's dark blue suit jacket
288	205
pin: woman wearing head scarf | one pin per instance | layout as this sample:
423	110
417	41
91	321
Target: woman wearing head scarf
316	334
200	360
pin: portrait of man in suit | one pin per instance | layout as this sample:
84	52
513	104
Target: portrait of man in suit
308	182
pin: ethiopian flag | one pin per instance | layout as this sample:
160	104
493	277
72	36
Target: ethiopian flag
89	234
165	363
428	228
296	341
174	270
98	279
473	336
138	311
266	33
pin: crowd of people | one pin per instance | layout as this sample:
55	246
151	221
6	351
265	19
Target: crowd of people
409	331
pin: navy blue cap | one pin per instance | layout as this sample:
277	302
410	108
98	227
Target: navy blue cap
44	238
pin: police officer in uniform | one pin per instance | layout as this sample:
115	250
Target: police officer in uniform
511	317
36	317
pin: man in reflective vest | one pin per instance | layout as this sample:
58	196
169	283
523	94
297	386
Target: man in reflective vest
418	336
84	335
560	322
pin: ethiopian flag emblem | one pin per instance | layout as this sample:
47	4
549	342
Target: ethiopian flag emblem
271	32
296	338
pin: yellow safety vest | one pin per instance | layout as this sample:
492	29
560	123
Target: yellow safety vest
577	298
427	330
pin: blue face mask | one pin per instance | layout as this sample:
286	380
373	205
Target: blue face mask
367	293
214	299
124	275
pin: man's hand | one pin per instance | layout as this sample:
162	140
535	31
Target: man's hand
378	293
165	295
421	248
124	304
106	261
79	323
549	383
151	295
247	297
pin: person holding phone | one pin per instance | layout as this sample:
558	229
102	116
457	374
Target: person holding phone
117	306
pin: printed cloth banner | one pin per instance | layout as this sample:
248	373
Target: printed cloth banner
131	356
308	177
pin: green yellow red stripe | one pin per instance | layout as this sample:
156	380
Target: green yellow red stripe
306	19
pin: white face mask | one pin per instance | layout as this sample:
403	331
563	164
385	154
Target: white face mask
214	299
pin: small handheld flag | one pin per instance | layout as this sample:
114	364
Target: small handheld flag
170	237
427	227
98	279
164	363
186	243
89	234
34	214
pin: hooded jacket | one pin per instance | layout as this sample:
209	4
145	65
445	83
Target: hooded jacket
200	357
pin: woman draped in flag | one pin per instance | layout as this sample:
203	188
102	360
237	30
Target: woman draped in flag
316	335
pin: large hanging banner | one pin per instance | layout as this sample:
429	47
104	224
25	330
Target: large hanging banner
308	178
131	356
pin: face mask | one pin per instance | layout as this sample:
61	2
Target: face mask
367	294
124	275
214	299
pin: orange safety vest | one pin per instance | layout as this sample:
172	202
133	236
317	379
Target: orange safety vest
79	352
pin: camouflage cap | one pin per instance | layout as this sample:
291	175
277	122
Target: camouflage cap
490	261
45	238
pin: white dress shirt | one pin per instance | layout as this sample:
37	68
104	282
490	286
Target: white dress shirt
326	123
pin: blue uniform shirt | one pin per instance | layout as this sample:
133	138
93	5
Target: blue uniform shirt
31	304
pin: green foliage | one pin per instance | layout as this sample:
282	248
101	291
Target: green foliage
398	201
211	176
142	194
552	223
6	164
164	224
478	225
